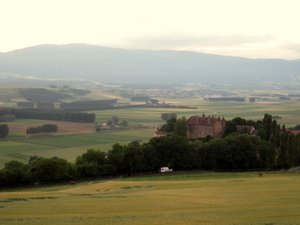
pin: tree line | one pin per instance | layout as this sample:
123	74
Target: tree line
232	153
49	115
4	130
46	128
7	118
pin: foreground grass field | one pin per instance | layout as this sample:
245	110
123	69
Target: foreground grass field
200	198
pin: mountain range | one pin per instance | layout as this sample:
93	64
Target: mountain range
113	65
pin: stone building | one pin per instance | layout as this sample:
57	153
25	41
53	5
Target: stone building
203	126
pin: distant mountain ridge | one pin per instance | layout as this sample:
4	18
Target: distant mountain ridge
103	64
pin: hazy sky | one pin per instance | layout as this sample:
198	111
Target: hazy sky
250	28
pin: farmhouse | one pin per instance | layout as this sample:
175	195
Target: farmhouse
246	129
203	126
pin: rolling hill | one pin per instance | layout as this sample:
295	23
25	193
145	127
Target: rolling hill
103	64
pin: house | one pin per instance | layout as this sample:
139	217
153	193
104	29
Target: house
246	129
203	126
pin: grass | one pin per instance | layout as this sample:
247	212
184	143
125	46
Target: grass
66	146
190	199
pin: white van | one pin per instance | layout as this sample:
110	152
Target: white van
165	169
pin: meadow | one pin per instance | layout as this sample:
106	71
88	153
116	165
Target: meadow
73	140
184	198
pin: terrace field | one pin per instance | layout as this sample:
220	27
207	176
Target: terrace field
184	198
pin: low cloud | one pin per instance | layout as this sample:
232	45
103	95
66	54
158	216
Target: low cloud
180	41
292	47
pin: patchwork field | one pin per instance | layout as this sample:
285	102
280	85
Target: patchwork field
289	111
75	138
199	198
19	127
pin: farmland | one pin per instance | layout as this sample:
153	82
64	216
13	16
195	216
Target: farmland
66	146
73	139
184	198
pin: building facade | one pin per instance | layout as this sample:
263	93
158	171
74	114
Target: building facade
203	126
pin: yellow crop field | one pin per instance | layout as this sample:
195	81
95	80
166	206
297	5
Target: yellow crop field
208	199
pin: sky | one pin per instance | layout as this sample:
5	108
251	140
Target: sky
246	28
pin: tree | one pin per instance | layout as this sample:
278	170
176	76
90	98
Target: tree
297	127
168	116
283	156
133	158
91	163
7	118
115	120
109	123
231	125
115	157
180	127
15	173
275	134
169	126
123	123
3	131
53	169
267	126
165	116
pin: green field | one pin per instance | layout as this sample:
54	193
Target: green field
199	198
66	146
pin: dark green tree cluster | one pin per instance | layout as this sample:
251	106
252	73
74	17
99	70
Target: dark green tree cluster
50	115
285	143
4	130
168	116
42	95
46	128
7	118
38	170
288	149
175	126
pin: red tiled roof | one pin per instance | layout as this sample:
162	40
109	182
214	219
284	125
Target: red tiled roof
294	132
202	120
